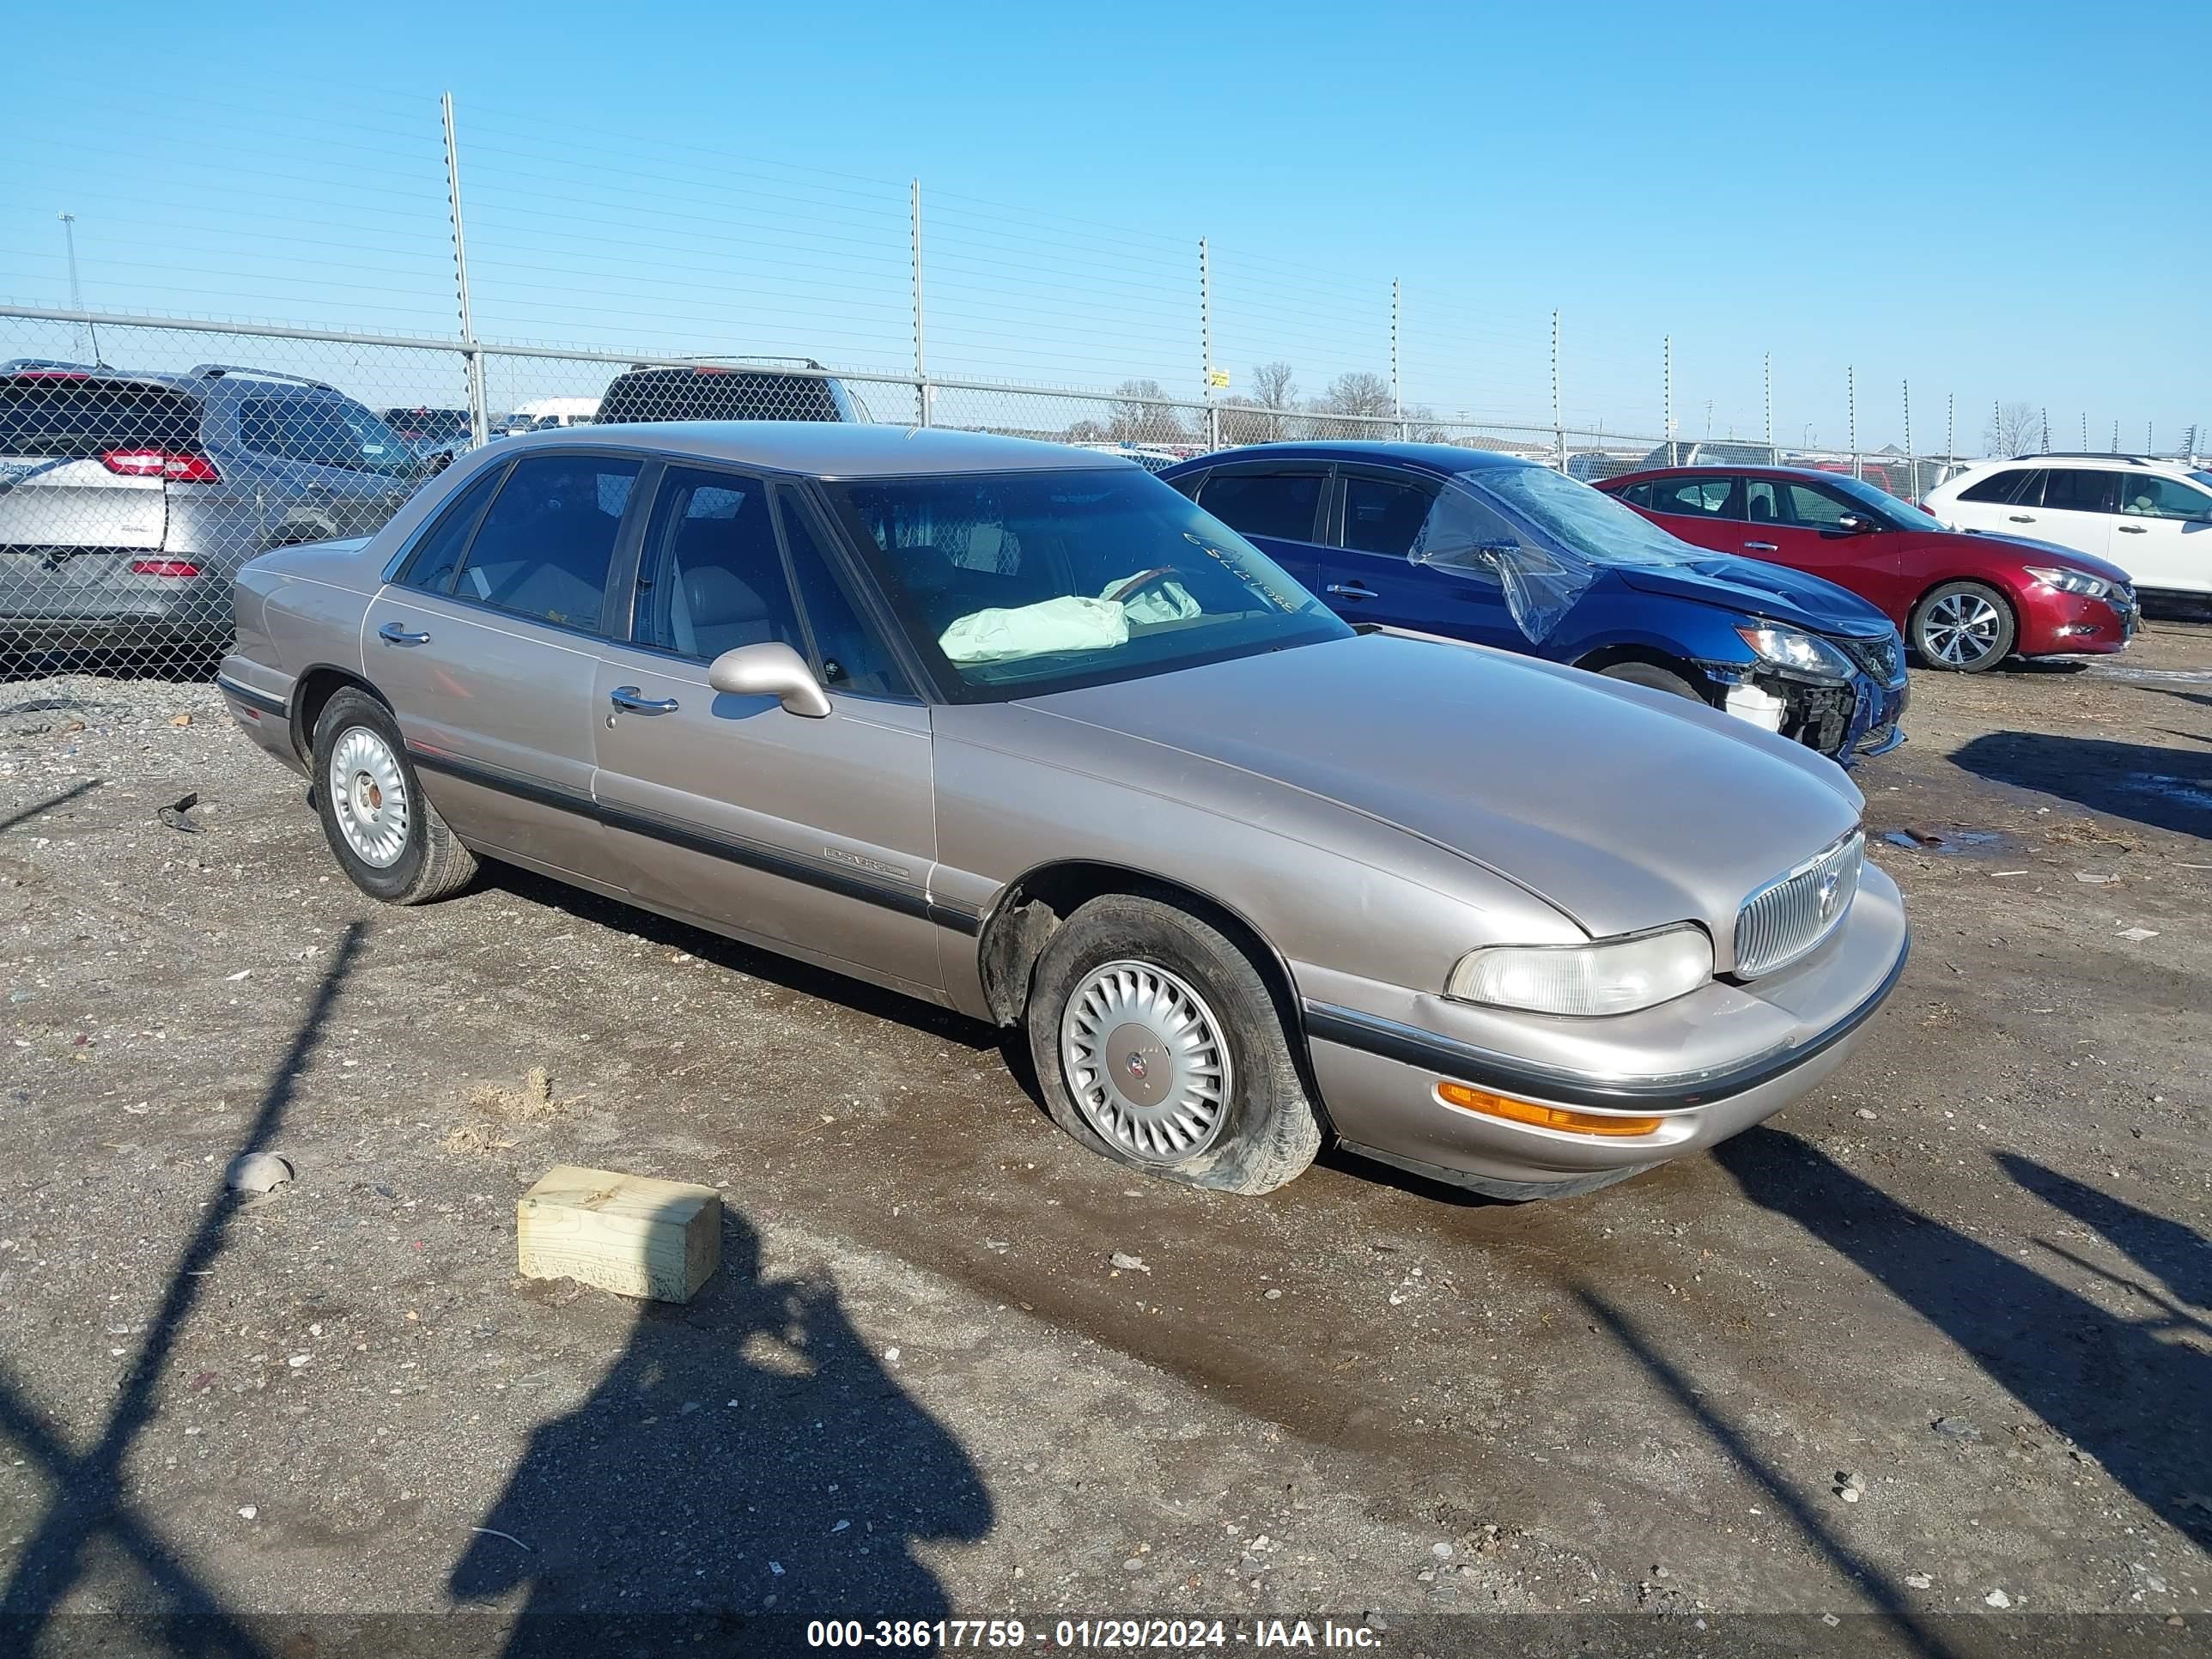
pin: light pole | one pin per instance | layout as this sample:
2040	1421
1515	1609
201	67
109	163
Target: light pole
76	291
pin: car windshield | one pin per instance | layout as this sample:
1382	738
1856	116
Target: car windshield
1022	583
1902	513
1542	537
1587	522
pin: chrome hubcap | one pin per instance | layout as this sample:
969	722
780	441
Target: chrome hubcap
1961	629
368	797
1145	1061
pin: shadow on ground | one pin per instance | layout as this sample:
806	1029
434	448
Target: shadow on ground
746	1456
90	1504
2142	1405
2164	788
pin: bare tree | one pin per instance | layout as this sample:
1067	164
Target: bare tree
1263	415
1272	386
2014	429
1141	415
1355	393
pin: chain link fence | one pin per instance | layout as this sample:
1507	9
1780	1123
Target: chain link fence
144	459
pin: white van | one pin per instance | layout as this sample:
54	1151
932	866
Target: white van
543	413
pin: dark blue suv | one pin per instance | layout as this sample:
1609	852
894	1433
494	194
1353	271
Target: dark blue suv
1504	552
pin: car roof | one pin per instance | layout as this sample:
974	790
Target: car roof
1445	458
2077	458
828	449
1707	470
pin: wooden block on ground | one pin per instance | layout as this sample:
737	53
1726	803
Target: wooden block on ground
629	1234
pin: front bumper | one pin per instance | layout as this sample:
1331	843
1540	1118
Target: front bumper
2056	624
1707	1065
1853	722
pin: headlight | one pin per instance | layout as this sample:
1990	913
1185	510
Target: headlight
1611	976
1800	652
2072	581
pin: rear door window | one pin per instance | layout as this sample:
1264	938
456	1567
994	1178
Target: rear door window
1762	502
2081	490
544	546
1283	504
76	419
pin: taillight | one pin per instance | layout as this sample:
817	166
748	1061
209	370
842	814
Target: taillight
177	465
180	569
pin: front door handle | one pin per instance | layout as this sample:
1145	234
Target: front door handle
2021	518
1760	547
630	697
400	634
1352	591
2132	529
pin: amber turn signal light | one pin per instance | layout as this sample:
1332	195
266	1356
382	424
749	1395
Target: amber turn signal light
1544	1117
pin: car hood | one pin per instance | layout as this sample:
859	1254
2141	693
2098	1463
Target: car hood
1772	591
1623	807
2050	553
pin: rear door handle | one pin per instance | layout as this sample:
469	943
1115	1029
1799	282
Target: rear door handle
1761	547
1352	591
2021	518
2132	529
630	697
394	632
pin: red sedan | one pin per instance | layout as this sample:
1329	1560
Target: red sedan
1963	602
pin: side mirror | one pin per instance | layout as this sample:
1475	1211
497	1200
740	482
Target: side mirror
1853	523
769	670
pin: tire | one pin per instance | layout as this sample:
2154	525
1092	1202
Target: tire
402	852
1659	680
1963	627
1118	977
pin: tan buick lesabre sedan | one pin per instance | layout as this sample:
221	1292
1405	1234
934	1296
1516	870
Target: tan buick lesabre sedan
1018	729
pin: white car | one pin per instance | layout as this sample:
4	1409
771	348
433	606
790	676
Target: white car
2152	517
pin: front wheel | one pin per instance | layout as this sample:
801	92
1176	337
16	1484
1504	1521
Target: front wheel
1963	627
1156	1043
382	830
1650	674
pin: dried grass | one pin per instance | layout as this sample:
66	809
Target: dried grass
533	1103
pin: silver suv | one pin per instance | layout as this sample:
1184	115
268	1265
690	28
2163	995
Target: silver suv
128	501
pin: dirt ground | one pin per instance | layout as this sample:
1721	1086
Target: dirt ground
1933	1342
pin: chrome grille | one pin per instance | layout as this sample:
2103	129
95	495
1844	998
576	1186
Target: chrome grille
1788	918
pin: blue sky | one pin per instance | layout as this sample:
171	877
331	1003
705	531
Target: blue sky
1983	202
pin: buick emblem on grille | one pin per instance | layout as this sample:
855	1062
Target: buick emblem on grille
1831	885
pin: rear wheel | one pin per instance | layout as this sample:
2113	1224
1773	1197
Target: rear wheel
382	830
1156	1043
1963	627
1650	674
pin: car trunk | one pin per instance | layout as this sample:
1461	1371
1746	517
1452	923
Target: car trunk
84	467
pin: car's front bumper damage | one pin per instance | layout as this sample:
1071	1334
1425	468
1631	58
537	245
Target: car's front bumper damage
1705	1067
1849	721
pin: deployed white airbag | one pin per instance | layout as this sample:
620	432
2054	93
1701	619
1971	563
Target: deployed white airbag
1070	622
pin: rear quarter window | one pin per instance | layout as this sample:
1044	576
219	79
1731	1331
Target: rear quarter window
2008	487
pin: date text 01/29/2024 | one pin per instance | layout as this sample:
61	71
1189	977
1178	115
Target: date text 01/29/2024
1168	1634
